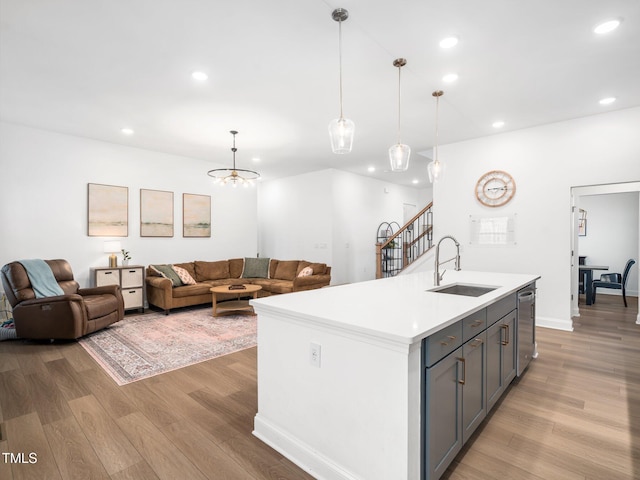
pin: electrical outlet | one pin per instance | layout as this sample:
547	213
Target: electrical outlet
315	354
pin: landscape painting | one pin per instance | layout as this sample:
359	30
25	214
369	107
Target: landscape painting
156	213
108	211
196	215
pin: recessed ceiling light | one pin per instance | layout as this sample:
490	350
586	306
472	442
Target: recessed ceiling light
255	159
450	77
371	169
498	124
127	131
415	180
607	101
606	27
200	76
448	42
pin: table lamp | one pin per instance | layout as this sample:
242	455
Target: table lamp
112	247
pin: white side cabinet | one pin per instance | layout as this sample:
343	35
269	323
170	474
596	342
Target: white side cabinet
131	281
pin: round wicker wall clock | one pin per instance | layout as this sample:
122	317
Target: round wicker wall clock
495	188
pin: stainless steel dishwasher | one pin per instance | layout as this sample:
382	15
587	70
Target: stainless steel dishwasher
526	326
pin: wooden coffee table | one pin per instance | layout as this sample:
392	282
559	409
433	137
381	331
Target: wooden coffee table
233	306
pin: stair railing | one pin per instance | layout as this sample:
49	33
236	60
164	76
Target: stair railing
406	245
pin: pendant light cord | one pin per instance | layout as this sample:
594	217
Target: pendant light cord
399	103
234	150
436	147
340	59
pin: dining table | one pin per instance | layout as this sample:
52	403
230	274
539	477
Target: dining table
587	271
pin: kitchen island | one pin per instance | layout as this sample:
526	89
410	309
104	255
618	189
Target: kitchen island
343	388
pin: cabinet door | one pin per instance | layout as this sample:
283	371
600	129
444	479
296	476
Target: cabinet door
494	374
474	395
509	348
443	408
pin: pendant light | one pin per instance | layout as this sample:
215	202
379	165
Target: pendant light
234	176
399	153
341	129
436	168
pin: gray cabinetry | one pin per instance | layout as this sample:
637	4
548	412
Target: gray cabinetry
501	357
474	398
443	408
455	391
467	367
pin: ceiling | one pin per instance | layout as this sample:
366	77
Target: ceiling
92	67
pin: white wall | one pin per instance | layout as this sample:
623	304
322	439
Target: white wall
330	216
612	235
546	162
43	201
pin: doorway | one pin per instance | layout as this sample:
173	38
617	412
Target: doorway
584	195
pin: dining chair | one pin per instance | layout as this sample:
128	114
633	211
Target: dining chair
614	280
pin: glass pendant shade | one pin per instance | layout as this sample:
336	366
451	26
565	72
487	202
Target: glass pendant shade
436	167
399	157
436	170
399	153
341	129
341	133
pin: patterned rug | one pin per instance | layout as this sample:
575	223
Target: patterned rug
145	345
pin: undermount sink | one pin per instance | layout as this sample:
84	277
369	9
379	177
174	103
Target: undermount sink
468	290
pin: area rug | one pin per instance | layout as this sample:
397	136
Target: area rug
145	345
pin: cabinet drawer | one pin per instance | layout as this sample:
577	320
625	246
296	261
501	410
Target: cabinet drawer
132	297
131	277
107	277
474	325
499	309
442	343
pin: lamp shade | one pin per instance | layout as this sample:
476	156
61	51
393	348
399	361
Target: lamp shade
112	246
436	170
341	131
399	157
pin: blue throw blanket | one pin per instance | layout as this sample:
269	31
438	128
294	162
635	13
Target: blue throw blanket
43	282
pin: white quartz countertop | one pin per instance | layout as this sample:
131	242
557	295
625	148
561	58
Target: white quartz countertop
398	309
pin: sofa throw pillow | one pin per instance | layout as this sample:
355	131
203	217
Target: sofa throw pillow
185	276
168	272
305	272
256	268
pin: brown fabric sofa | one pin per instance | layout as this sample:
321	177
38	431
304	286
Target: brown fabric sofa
283	278
76	313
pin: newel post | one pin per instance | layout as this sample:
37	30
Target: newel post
378	260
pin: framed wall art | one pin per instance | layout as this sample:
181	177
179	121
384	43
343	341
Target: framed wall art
196	215
582	223
108	210
156	213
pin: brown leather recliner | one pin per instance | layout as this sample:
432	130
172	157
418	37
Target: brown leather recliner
76	313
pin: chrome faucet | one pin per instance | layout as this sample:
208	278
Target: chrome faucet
436	274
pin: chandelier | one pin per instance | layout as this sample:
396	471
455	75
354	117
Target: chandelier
234	176
341	129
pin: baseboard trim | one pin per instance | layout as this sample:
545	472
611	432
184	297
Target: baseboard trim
298	452
555	323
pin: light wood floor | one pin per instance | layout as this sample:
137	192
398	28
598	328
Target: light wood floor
575	414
